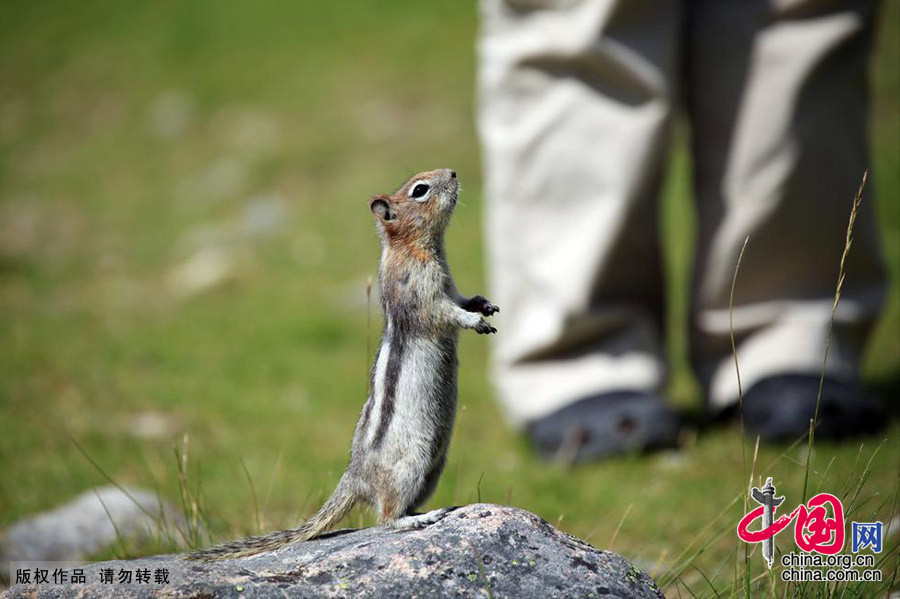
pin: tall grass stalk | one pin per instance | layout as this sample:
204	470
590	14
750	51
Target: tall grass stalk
368	334
615	535
191	507
737	372
253	495
842	274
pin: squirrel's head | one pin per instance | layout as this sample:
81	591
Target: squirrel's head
419	211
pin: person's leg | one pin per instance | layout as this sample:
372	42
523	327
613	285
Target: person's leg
778	105
575	110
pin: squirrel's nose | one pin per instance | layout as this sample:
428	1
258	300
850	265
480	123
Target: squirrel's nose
453	174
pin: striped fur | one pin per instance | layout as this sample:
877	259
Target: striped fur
400	442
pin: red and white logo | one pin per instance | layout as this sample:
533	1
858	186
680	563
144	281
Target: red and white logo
818	526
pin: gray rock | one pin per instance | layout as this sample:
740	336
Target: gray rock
88	524
480	550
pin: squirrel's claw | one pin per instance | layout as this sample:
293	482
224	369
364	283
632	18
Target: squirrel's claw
480	304
484	328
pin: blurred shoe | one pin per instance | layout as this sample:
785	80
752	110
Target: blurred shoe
603	425
781	407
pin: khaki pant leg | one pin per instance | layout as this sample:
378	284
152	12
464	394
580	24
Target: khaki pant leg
575	107
777	99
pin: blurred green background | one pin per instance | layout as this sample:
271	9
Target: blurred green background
185	246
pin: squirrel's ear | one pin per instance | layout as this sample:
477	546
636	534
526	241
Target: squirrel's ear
380	207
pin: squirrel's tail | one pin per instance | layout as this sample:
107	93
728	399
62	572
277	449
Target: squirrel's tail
336	507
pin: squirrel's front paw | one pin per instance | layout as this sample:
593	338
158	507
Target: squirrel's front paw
484	327
481	304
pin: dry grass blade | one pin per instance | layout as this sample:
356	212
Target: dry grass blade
842	274
612	541
109	478
253	494
368	333
737	371
682	561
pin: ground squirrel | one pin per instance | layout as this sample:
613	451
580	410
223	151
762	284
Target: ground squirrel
400	442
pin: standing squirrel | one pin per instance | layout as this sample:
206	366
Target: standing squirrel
400	442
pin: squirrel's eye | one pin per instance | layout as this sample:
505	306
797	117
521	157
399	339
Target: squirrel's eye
419	190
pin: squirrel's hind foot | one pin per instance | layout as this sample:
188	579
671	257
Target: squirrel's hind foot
419	520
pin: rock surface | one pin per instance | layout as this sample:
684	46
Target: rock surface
89	524
480	550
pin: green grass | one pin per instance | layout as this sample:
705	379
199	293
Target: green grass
318	108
